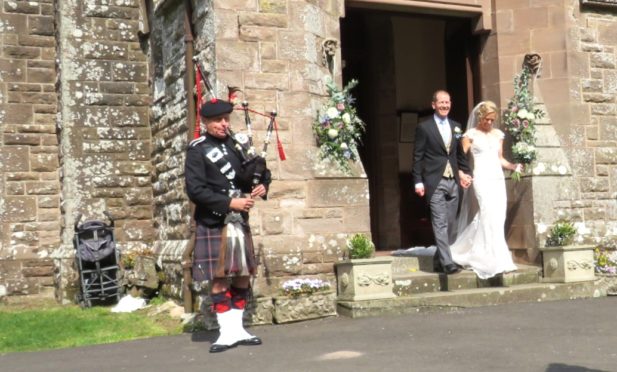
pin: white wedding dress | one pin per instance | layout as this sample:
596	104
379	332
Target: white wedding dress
481	244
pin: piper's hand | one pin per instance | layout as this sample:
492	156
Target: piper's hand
259	190
241	204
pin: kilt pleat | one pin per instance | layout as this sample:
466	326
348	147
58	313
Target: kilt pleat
207	261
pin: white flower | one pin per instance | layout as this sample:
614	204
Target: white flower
522	114
531	116
344	146
563	169
332	113
332	133
346	118
457	130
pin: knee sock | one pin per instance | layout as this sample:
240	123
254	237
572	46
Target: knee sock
221	302
239	297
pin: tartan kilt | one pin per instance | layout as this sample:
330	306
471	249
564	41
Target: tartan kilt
206	262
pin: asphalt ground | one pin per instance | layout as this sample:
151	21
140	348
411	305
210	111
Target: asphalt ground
572	336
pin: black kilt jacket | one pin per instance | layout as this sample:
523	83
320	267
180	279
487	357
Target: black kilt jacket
207	186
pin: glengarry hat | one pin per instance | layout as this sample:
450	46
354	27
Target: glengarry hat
215	107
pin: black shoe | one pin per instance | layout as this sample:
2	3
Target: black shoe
217	348
452	269
250	341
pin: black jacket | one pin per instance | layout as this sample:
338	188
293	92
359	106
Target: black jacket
208	188
430	155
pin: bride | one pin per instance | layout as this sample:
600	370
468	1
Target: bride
481	244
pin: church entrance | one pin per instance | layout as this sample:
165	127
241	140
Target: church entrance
400	58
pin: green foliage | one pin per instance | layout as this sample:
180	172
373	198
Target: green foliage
561	234
360	246
337	127
69	326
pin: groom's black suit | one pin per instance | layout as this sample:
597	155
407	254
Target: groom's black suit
430	155
429	163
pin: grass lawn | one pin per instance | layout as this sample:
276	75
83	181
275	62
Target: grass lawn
48	325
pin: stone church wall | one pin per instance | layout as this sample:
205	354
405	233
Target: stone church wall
29	178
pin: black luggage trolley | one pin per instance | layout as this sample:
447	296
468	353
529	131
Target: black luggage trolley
98	261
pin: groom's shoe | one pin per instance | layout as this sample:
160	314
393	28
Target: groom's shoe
452	269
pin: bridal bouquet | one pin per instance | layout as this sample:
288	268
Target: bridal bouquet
337	126
519	120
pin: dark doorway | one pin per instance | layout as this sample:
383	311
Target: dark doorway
400	59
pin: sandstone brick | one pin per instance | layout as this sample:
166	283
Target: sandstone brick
129	71
116	87
48	201
138	197
44	162
41	25
42	188
21	176
30	97
49	140
235	4
139	230
267	81
22	52
15	188
38	271
602	60
237	55
41	75
268	50
13	159
19	6
255	33
16	114
329	193
36	41
12	70
262	19
106	11
595	184
36	128
21	139
18	208
104	50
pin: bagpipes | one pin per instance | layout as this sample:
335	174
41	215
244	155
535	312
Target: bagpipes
254	163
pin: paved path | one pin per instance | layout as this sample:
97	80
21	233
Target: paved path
569	336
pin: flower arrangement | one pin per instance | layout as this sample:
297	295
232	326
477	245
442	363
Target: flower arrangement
297	287
605	261
561	234
337	127
360	246
519	121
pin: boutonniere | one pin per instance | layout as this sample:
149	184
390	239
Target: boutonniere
457	133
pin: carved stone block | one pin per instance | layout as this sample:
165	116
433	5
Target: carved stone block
364	279
568	264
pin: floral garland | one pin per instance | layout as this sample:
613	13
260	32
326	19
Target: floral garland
297	287
337	127
519	121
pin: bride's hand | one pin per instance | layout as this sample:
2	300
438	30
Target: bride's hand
518	168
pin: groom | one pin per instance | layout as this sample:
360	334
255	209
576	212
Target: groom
437	159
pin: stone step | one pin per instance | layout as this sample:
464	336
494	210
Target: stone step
407	283
453	300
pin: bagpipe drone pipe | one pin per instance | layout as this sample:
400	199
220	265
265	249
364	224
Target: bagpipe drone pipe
254	164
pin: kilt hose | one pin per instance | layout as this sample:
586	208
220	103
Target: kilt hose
209	262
